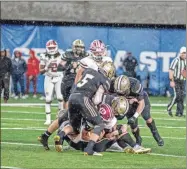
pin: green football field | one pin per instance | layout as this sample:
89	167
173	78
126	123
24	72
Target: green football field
21	125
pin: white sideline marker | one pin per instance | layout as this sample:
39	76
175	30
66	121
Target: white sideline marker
14	143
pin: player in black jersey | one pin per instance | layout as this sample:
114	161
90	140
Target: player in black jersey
132	89
91	86
69	65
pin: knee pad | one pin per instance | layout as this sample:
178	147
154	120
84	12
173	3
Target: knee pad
98	129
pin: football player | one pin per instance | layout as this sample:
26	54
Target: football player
132	89
69	64
81	104
112	133
49	62
98	55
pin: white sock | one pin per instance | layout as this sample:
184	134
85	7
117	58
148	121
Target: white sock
48	111
60	105
48	117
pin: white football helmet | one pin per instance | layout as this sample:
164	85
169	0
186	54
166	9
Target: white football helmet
98	49
52	47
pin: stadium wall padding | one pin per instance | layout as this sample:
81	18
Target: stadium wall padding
154	48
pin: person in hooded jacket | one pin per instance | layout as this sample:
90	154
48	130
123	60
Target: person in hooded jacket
32	72
19	67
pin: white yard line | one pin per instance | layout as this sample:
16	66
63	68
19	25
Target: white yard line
43	129
55	104
10	167
38	145
15	119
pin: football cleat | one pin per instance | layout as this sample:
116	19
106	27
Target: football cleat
140	150
94	154
58	145
44	142
128	149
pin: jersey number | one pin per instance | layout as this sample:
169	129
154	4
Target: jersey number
85	80
53	66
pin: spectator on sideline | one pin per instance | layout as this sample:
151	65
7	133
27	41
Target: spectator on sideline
177	82
32	72
19	67
129	65
5	71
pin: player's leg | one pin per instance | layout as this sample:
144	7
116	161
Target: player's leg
59	94
49	89
91	114
135	130
63	116
151	124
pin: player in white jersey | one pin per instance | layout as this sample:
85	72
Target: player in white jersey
97	55
49	62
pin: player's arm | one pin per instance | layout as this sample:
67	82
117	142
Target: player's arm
82	66
80	70
63	64
98	98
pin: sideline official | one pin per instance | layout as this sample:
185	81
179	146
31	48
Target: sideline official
5	71
177	82
129	65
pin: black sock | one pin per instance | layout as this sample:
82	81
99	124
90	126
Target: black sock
47	134
126	139
136	133
90	145
154	131
137	136
61	134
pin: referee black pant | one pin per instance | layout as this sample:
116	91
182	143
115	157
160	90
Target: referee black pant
178	97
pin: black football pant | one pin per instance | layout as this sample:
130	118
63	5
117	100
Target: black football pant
80	107
178	98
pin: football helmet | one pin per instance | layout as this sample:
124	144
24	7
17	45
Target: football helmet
106	112
108	69
51	47
78	47
122	85
120	106
98	49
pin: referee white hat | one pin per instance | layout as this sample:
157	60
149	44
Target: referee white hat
183	49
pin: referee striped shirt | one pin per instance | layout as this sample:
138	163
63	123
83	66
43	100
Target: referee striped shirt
178	65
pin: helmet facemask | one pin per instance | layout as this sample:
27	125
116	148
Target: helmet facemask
52	47
78	47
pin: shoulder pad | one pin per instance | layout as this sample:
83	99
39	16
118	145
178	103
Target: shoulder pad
43	56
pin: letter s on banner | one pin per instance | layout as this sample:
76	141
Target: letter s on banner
148	58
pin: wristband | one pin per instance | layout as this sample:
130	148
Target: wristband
136	115
171	80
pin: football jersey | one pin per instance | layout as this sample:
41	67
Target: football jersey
89	62
52	62
109	125
70	59
90	82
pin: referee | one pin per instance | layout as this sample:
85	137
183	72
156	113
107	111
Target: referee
177	82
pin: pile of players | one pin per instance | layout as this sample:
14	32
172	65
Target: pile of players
94	99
